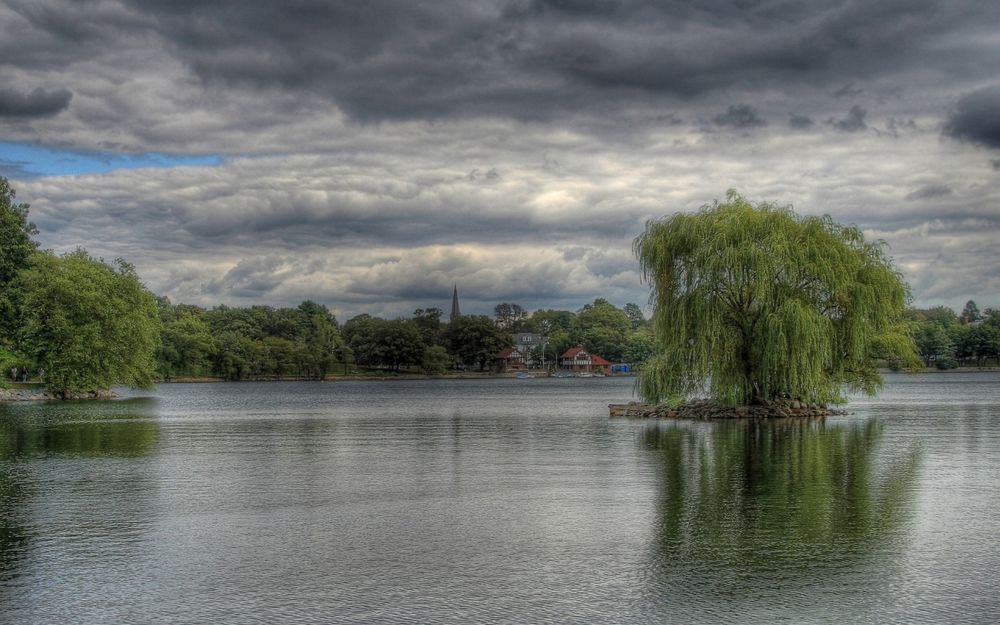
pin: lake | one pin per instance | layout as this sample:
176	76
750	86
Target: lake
512	501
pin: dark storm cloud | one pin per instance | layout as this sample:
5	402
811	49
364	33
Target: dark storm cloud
848	91
799	122
740	116
894	126
253	278
383	59
977	118
258	276
36	103
411	145
324	202
929	192
854	122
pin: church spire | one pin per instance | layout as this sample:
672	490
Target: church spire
455	312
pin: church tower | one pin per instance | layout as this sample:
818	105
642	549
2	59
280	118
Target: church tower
455	312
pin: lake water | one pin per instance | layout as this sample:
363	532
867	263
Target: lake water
514	501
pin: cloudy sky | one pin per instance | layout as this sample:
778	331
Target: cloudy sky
369	155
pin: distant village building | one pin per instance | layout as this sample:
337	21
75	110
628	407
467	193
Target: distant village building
577	359
526	342
511	359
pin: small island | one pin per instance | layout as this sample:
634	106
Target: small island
769	313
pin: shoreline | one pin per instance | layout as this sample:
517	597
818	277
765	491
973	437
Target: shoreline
33	392
474	375
378	378
43	394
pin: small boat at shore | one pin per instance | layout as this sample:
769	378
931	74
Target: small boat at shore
524	376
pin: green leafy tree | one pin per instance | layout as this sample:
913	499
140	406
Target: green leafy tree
970	313
436	360
319	339
240	321
398	344
639	348
281	357
941	315
635	316
237	357
359	333
187	346
549	320
753	302
379	343
16	245
90	325
934	343
428	321
475	340
559	342
602	328
509	316
979	343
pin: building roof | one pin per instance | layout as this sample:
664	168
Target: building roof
573	352
508	353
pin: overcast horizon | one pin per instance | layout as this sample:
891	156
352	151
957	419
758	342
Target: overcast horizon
371	156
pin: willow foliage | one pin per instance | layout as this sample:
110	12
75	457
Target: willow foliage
753	302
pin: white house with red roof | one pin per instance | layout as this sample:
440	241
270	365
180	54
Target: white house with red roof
579	359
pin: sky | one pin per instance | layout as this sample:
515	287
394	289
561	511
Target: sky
371	155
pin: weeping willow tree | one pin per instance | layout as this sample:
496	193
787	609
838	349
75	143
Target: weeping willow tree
753	302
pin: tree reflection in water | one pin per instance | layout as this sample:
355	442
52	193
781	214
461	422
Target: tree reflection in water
752	506
30	434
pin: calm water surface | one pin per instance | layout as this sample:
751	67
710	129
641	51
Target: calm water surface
513	501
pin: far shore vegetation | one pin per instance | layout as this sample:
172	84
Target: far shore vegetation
75	323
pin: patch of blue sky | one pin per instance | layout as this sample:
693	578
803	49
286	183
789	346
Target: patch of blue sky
26	160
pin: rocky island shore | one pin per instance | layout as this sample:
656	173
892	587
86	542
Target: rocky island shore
41	394
706	409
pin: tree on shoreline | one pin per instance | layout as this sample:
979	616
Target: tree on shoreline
16	245
475	340
89	324
85	323
753	302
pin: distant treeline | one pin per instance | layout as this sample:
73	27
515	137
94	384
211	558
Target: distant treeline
946	340
307	341
78	323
